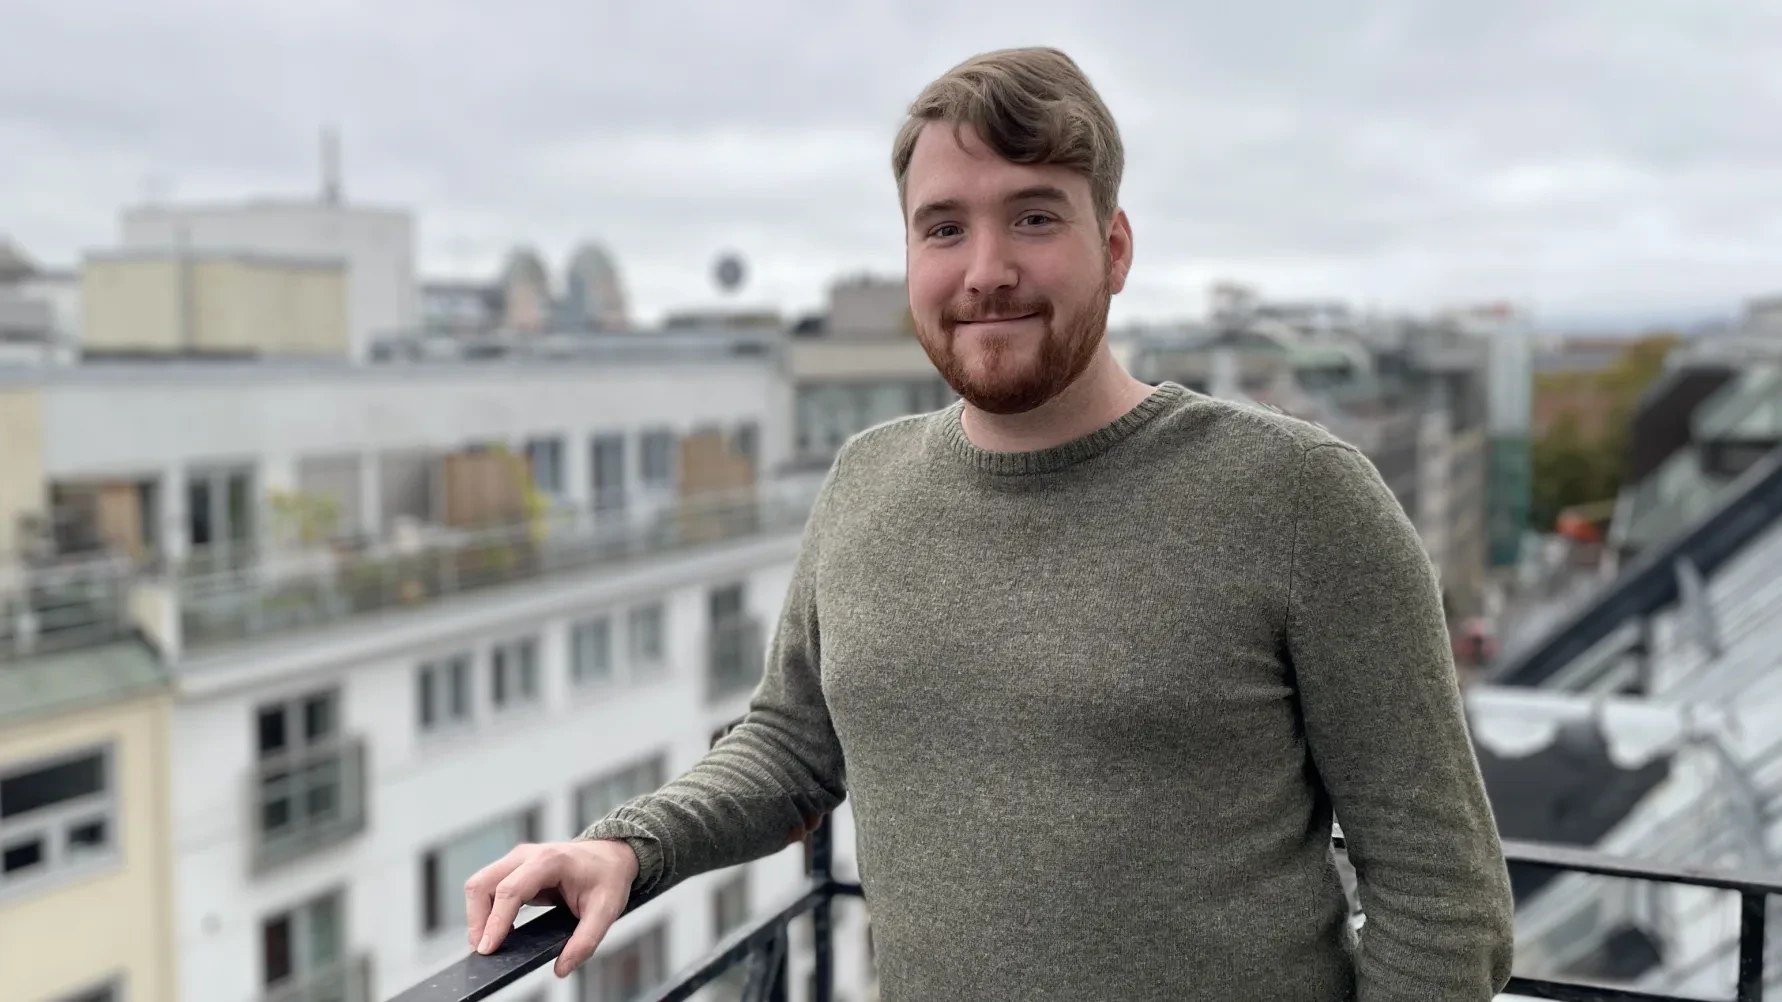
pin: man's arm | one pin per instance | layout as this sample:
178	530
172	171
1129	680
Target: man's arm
1387	733
770	779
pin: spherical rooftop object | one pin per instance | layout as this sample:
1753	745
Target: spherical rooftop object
729	272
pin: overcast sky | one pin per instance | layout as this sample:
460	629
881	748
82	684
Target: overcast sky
1604	162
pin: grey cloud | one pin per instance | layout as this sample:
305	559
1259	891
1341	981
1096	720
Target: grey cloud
1602	158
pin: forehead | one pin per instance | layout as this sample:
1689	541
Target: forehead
953	164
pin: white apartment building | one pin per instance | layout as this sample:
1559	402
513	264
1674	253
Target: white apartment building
415	613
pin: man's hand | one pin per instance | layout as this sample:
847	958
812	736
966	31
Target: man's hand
592	878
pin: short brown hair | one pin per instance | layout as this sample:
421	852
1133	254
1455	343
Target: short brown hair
1032	106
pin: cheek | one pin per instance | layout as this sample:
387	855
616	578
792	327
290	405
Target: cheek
1058	277
931	286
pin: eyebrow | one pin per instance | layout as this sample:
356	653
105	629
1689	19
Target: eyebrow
1039	193
1034	193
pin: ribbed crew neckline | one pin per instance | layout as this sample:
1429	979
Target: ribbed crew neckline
1060	456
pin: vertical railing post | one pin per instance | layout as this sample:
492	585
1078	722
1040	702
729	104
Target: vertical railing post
822	929
765	968
1751	943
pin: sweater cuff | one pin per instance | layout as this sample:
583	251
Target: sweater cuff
647	849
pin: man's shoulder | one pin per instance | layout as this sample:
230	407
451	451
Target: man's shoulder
1245	433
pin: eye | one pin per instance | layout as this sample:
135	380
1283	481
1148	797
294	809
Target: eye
1035	219
945	231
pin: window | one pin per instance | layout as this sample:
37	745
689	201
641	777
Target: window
445	868
591	651
305	944
442	692
545	458
596	799
730	904
409	487
334	480
631	970
608	469
646	628
513	673
309	777
726	604
56	814
121	516
746	442
659	448
736	652
730	910
220	509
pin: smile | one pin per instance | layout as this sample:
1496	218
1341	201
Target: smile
992	321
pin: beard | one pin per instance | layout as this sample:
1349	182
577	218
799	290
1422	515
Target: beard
1005	378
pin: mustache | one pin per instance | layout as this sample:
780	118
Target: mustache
1000	306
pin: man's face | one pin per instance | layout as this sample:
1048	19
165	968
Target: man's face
1009	271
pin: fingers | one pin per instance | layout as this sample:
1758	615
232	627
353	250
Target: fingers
479	893
514	890
596	919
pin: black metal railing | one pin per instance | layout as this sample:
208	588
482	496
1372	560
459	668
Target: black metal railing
1753	889
760	946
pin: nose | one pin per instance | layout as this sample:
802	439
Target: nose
992	266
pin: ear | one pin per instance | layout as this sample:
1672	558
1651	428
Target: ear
1119	251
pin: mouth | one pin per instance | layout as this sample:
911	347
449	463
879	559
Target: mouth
990	322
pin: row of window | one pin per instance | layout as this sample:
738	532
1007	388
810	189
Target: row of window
658	459
310	777
445	687
827	413
221	502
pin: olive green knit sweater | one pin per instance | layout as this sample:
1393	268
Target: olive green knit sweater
1094	707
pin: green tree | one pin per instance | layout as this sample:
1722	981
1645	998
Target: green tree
1571	468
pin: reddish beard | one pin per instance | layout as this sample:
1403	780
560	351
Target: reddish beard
1002	382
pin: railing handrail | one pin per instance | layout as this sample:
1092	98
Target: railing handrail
536	943
1582	860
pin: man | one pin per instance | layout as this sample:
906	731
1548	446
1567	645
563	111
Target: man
1096	661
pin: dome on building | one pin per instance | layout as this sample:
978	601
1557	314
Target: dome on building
593	297
526	291
14	263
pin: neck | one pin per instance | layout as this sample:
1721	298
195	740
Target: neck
1097	398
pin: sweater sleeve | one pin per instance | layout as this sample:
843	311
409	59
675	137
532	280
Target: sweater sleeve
763	785
1387	733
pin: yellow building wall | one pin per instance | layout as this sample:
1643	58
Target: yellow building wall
115	922
22	490
317	308
279	309
237	305
130	304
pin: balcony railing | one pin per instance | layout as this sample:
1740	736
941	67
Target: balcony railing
735	655
759	946
295	590
74	604
306	800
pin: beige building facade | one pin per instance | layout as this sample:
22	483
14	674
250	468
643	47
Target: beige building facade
85	853
168	302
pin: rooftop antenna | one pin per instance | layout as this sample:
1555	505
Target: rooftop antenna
330	166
